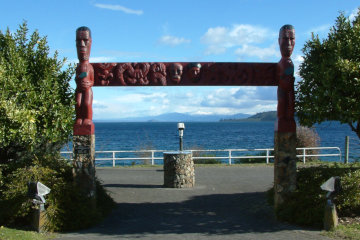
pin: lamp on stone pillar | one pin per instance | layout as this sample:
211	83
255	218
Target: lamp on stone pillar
181	127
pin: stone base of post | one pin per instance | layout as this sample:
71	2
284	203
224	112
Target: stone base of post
330	216
84	163
39	218
284	166
179	170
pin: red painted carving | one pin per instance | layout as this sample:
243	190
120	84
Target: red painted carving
131	74
84	81
175	72
158	74
286	96
185	74
103	73
193	73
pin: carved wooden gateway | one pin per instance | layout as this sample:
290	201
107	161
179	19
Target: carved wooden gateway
279	74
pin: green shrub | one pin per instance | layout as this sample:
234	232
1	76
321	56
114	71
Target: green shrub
305	206
255	160
202	154
207	161
307	137
348	201
36	99
66	208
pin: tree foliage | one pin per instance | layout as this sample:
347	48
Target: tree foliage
36	101
36	119
330	72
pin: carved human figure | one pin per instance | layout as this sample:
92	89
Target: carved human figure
176	71
158	74
84	78
286	97
194	72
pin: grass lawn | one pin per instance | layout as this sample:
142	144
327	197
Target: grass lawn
348	231
14	234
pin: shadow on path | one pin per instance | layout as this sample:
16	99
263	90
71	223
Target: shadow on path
131	186
226	203
209	214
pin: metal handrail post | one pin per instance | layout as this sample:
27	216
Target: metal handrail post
152	157
347	143
113	158
229	157
304	155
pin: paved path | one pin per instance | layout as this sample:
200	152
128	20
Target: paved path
227	203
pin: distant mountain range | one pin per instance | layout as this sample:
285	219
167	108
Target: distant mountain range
259	117
178	117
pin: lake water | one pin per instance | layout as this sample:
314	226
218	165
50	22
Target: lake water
203	135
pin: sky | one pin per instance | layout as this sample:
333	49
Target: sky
177	31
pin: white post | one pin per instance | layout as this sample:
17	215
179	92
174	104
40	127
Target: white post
113	158
347	143
152	157
304	155
229	157
267	156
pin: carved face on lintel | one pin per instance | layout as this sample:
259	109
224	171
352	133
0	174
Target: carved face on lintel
194	71
286	40
176	70
83	43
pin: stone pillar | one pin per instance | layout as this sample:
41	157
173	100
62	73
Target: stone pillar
285	165
84	163
330	216
179	170
39	218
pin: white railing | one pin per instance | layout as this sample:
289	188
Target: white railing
230	154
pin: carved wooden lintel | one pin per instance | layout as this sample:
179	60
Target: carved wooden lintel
185	74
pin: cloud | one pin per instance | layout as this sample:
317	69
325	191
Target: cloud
238	35
224	100
141	97
102	59
99	106
320	30
297	60
246	98
119	8
93	59
353	14
254	51
212	49
256	93
172	40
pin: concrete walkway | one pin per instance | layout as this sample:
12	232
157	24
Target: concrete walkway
227	203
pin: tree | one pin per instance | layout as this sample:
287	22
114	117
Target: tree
330	72
36	100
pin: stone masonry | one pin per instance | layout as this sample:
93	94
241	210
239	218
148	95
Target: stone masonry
179	170
84	163
285	166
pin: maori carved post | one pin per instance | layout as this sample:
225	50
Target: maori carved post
84	138
190	74
84	81
286	96
285	129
